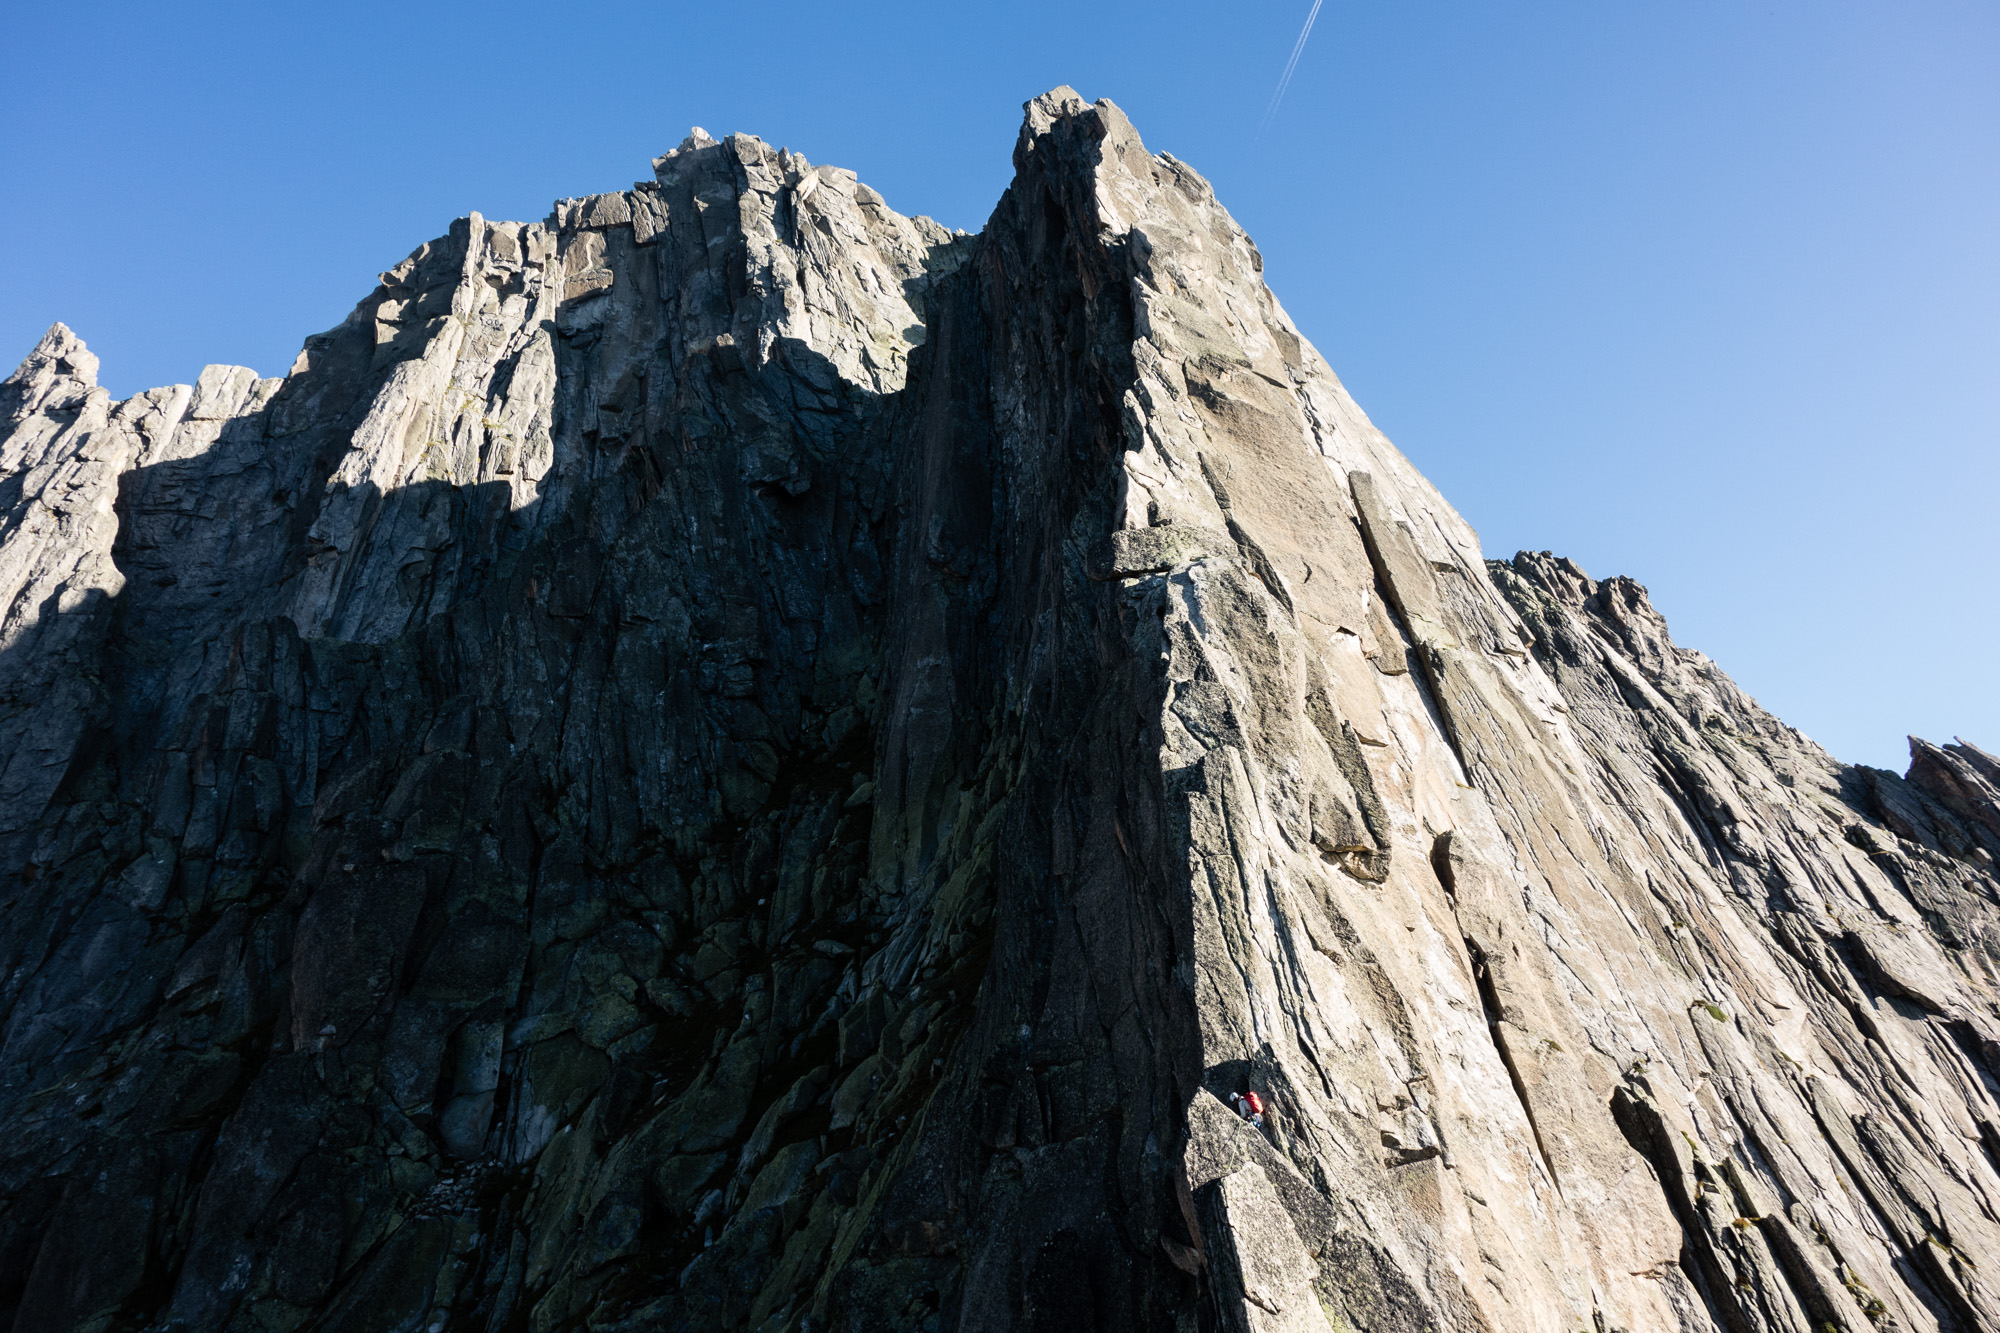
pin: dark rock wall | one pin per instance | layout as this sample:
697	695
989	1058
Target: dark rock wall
732	759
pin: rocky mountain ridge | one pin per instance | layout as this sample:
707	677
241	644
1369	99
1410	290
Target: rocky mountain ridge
732	759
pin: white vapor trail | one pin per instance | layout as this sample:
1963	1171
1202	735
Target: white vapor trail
1285	81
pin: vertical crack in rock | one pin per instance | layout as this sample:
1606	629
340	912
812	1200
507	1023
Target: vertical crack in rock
732	759
1489	1002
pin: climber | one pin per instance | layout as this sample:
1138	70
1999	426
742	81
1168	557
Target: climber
1250	1106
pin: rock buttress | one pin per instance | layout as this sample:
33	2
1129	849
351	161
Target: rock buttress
731	759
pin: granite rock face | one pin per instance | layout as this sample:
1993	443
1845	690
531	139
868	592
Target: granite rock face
735	760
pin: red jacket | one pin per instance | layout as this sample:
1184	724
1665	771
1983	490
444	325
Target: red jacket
1254	1103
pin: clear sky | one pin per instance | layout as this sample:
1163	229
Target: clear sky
1706	292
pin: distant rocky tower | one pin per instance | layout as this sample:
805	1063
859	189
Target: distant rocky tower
735	760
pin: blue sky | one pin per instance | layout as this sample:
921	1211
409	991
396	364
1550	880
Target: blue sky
1704	292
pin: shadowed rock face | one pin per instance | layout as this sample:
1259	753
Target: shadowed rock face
734	760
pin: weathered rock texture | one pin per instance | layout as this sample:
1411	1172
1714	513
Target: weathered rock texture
732	759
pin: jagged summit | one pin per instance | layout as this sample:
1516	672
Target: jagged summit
732	759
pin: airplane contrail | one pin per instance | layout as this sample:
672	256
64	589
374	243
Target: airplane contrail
1285	80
